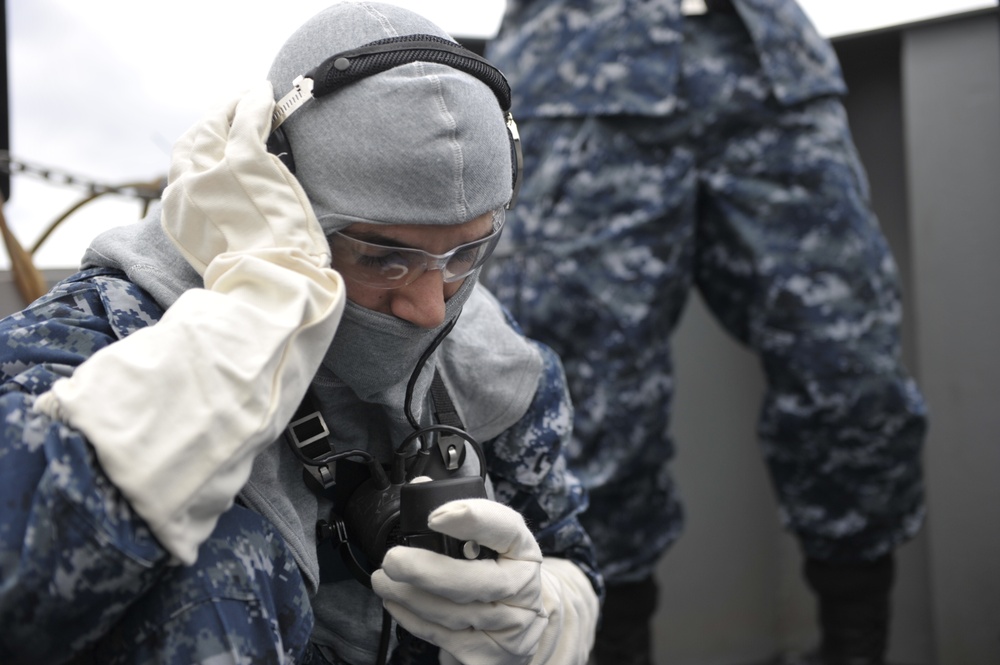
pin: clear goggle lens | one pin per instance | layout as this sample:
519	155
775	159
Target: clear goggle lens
387	267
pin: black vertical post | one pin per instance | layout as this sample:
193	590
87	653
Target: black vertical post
4	114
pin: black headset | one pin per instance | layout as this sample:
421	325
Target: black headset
376	57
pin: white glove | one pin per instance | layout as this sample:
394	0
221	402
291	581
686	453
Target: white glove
177	411
521	608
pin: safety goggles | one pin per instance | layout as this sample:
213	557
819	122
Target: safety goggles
388	267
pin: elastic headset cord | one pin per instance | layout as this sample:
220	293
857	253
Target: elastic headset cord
383	650
384	634
407	405
384	637
323	460
411	384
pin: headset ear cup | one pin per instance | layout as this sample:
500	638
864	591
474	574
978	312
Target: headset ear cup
277	144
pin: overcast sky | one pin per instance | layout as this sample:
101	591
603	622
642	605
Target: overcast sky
102	88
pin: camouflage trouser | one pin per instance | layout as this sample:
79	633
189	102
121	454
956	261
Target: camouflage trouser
765	210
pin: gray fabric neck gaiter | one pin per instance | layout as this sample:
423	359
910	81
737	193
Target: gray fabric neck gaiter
374	354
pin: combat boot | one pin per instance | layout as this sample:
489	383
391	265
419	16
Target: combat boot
625	634
854	602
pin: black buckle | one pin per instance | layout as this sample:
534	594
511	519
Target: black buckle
336	531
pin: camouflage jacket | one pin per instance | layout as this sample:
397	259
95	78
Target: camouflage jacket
569	58
73	553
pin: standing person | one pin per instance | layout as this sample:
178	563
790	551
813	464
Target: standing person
153	509
671	146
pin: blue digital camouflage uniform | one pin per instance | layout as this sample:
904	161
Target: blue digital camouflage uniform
665	152
82	580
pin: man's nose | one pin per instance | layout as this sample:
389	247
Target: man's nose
422	302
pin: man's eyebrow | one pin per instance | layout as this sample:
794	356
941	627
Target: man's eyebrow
376	238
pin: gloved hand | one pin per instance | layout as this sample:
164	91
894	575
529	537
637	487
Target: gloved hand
177	411
228	194
521	608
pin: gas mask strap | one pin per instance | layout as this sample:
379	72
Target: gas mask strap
308	437
444	408
450	447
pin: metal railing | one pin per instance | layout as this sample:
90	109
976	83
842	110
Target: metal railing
28	279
